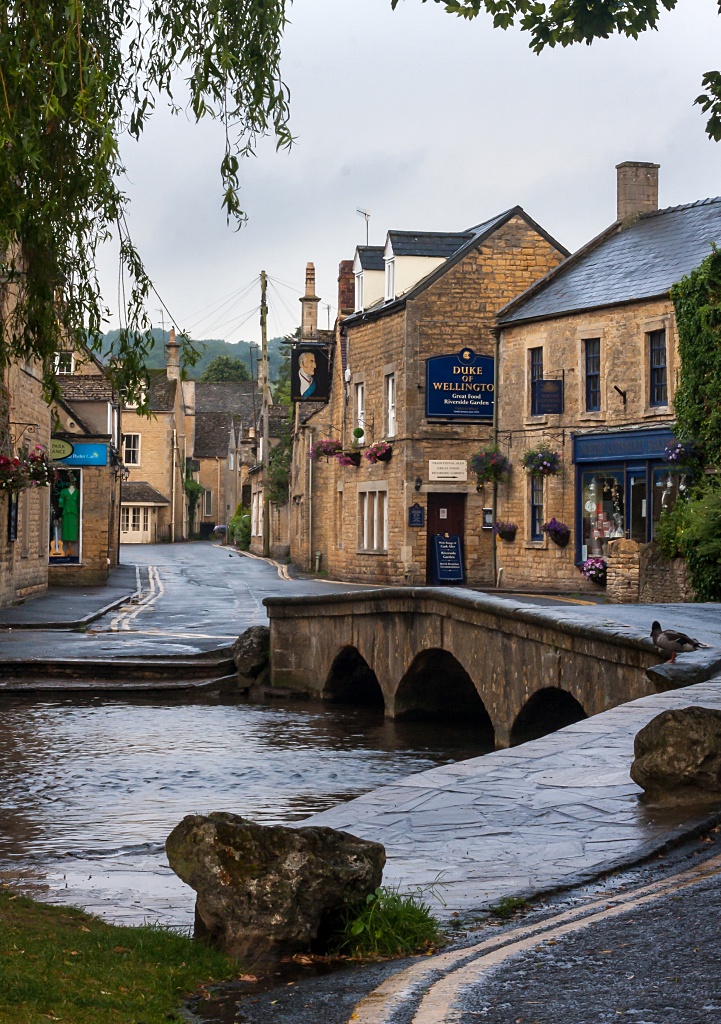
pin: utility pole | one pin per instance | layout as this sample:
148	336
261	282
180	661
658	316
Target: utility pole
265	398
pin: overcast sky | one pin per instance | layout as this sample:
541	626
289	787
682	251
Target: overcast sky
430	123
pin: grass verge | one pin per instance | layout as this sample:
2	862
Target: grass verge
59	964
390	923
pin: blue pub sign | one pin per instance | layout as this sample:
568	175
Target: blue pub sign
460	386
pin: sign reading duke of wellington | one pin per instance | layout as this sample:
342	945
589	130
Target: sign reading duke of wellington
460	386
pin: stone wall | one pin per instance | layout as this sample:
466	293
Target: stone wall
663	580
622	574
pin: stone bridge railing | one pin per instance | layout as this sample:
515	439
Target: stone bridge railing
444	654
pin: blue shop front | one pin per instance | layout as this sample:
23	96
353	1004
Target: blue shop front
623	484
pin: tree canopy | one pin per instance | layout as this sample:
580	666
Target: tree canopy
562	22
75	77
226	369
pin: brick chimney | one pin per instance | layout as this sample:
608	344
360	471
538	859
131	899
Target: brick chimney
346	288
172	356
309	305
636	188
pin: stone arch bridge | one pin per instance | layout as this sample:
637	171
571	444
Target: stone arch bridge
516	671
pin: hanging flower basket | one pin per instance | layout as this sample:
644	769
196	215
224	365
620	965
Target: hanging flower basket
594	569
37	467
379	451
489	465
506	531
542	461
324	449
13	474
349	458
680	455
559	533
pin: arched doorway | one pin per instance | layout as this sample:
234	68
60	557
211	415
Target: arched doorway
436	687
352	681
546	711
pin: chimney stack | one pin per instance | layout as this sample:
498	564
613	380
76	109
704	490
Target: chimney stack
636	188
309	305
346	288
172	357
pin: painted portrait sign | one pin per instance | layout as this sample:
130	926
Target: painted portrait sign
309	373
460	386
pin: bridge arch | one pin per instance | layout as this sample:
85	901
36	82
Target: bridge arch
351	680
437	687
545	711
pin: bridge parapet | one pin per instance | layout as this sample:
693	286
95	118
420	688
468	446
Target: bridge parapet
445	653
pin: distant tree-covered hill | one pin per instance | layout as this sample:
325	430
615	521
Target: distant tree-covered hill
209	349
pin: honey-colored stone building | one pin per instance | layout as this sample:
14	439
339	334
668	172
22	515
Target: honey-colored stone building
602	327
412	365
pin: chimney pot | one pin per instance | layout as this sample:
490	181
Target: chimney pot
309	305
636	188
172	356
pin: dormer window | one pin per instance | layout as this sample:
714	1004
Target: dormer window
359	292
390	279
65	362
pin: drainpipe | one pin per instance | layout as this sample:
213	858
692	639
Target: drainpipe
217	475
494	514
310	503
172	490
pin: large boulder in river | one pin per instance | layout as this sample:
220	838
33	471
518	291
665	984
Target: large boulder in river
678	757
266	890
251	651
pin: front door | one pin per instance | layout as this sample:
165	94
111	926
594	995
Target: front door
446	514
637	505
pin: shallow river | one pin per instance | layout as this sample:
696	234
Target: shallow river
89	789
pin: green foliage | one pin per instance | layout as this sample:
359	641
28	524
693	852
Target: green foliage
508	907
564	22
195	492
281	391
669	530
697	402
279	459
239	527
57	963
74	76
701	541
390	924
208	348
225	369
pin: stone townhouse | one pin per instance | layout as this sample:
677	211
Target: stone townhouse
413	366
154	451
597	336
25	421
85	480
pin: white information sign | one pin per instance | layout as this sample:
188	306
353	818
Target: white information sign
448	469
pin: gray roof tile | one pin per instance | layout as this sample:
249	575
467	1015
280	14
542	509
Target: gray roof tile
623	264
371	257
439	244
140	492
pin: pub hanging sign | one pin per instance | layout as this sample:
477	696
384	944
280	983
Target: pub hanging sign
460	386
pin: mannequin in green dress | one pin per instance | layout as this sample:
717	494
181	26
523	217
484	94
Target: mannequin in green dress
69	502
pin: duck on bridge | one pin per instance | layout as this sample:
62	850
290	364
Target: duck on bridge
442	654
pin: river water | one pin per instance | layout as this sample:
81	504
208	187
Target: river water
90	788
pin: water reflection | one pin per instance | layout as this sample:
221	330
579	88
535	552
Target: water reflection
92	788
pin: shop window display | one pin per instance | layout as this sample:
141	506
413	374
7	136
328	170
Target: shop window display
602	512
65	517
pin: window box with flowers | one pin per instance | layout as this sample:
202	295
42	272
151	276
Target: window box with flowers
506	531
542	461
489	465
559	533
324	449
594	569
379	451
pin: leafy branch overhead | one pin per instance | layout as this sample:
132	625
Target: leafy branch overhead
75	76
564	22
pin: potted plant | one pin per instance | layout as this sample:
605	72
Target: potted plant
324	449
358	433
594	569
542	461
559	533
506	531
379	451
349	458
489	464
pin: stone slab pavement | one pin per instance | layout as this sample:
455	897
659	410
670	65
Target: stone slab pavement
545	815
73	607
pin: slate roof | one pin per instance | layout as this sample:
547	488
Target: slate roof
371	257
161	391
427	243
212	434
139	492
624	264
84	388
235	398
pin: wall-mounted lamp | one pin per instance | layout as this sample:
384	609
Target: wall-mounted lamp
621	393
419	483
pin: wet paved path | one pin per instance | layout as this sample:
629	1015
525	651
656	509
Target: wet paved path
516	822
